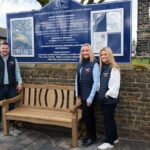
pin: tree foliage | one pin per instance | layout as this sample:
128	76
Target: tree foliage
44	2
91	1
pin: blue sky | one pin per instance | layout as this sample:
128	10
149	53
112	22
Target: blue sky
25	5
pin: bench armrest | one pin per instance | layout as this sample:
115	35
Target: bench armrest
12	100
76	107
1	102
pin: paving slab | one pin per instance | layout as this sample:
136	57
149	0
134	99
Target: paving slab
56	138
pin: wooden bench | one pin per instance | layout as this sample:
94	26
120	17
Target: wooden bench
45	104
1	106
1	103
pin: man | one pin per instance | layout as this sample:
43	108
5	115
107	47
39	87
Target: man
10	77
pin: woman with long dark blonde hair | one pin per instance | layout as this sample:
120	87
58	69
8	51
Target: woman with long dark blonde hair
108	95
87	79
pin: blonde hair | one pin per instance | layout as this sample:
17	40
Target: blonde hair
91	52
111	59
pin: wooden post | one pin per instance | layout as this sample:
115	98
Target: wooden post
5	122
74	130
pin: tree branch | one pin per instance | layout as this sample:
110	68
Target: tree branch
100	1
90	2
82	1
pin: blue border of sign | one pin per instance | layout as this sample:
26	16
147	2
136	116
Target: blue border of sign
61	27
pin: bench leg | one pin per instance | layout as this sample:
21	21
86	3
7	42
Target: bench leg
74	133
5	127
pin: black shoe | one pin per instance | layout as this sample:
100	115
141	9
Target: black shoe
89	142
0	127
85	139
105	141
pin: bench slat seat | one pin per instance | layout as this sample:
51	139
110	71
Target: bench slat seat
30	113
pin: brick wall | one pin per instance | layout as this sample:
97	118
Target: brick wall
133	111
143	33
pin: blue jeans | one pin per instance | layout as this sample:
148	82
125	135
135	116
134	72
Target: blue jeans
7	92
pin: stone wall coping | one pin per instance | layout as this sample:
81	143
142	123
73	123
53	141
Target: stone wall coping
73	66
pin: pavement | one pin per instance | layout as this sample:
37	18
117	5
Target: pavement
56	138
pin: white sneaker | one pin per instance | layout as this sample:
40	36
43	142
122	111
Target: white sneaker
105	146
116	141
15	132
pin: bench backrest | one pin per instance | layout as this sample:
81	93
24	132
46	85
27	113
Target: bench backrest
49	96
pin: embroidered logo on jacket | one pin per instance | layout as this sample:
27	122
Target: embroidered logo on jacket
88	70
106	74
11	62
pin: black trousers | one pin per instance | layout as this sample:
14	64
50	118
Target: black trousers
89	118
7	92
109	122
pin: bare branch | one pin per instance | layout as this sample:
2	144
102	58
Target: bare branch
82	1
100	1
90	2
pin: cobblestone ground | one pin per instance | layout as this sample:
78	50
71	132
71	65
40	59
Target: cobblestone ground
56	138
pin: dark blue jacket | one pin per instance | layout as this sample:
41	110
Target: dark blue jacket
104	80
85	78
11	71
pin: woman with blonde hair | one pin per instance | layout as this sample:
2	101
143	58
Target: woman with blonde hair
108	95
86	83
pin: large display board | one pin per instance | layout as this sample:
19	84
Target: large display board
55	33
